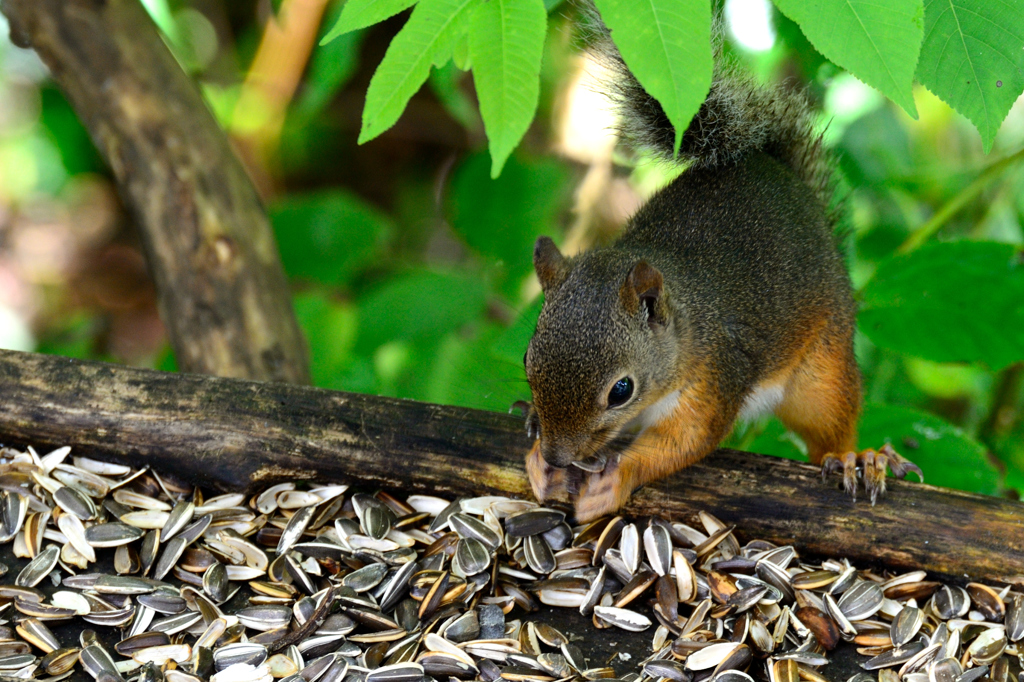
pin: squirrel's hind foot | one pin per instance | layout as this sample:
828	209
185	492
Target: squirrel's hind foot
873	465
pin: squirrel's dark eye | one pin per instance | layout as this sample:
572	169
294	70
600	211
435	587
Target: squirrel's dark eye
621	392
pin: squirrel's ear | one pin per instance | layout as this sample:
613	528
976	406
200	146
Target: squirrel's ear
550	264
643	287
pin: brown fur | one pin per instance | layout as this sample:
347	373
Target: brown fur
725	283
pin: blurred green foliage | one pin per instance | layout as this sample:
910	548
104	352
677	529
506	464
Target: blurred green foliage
411	267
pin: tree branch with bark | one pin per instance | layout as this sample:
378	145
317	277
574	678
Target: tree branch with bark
222	291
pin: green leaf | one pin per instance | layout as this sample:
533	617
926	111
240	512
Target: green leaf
973	58
418	306
327	236
358	14
878	42
431	31
506	41
330	67
464	372
948	457
510	345
949	302
330	329
444	83
775	439
502	218
667	46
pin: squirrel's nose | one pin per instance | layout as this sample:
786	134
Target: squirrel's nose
556	454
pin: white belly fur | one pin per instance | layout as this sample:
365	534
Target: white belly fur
762	400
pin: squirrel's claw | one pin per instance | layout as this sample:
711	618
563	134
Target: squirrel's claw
900	465
525	407
873	465
545	480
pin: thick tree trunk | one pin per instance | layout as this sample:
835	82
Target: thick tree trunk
222	293
237	435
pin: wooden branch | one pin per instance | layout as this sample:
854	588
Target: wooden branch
222	292
235	435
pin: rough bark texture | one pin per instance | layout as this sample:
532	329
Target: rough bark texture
234	434
222	292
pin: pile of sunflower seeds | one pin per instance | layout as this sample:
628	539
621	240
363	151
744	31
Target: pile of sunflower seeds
317	584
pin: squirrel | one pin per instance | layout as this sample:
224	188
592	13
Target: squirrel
725	296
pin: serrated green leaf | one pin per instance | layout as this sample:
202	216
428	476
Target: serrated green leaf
506	41
878	42
949	302
973	58
667	46
432	30
358	14
948	456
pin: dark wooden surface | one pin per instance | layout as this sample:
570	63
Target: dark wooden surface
234	434
221	290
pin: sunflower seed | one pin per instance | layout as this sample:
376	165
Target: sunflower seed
532	522
667	669
74	502
1015	619
400	672
239	654
172	552
951	602
861	601
987	601
539	555
38	568
472	556
470	527
13	508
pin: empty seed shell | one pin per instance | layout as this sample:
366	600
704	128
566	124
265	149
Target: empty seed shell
658	547
622	618
59	661
710	656
629	546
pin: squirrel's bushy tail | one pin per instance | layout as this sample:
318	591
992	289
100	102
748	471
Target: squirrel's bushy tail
739	116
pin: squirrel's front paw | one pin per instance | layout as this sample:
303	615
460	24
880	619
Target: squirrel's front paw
603	492
532	420
873	465
546	480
